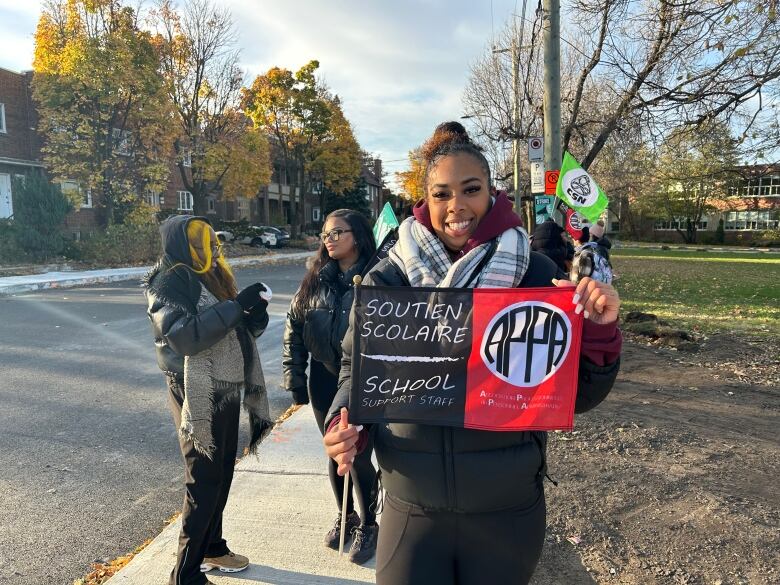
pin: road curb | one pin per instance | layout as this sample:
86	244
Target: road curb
10	285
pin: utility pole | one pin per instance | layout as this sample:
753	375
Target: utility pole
551	39
516	124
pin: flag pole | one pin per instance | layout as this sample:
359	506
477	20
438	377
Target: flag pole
344	498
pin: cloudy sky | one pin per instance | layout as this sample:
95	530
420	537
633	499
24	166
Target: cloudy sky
400	66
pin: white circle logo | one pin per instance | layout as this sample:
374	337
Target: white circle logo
526	343
575	221
580	188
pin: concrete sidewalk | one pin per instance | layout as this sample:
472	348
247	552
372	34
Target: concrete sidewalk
19	284
280	507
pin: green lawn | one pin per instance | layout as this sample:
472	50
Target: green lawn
702	291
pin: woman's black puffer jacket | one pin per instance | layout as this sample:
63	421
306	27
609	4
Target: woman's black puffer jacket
318	329
467	470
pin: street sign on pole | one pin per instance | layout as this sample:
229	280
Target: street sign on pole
535	149
537	177
551	182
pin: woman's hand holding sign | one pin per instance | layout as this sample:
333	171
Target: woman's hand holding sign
599	300
340	443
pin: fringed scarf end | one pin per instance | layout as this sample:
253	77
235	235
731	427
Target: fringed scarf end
259	428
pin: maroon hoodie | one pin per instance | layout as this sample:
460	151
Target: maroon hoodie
497	220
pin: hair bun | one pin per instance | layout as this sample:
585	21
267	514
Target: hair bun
445	135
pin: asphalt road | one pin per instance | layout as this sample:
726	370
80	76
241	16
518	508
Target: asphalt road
88	452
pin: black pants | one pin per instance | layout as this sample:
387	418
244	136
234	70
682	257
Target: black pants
419	547
322	390
207	483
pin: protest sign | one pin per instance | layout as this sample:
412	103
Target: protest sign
493	359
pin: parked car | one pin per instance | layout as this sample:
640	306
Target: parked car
281	235
225	236
257	236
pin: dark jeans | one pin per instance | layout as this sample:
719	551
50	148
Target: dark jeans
422	547
207	483
322	390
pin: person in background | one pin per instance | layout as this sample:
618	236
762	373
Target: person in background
316	323
204	333
597	235
465	506
549	239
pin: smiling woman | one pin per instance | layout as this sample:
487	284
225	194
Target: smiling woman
449	491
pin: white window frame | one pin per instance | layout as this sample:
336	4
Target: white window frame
211	205
3	129
185	198
186	158
120	140
86	196
153	198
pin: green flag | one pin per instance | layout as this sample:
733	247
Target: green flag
384	223
579	191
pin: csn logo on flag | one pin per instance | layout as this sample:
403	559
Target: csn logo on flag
494	359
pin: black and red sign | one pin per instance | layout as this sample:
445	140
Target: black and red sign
493	359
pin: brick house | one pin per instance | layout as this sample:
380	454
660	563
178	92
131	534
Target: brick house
371	172
19	144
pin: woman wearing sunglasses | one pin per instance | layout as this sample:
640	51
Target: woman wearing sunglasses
316	323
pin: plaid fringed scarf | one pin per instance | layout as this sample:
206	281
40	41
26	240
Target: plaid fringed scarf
425	261
217	375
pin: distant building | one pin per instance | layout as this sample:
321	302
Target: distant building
19	144
752	207
371	172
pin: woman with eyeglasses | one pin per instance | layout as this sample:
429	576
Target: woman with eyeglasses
204	333
316	323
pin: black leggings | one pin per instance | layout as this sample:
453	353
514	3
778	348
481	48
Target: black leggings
322	390
420	547
207	485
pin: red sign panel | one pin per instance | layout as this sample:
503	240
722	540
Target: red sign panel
523	368
551	182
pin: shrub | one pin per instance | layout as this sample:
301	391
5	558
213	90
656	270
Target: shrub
10	251
121	245
39	210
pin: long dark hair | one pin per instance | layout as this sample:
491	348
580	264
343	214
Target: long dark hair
364	237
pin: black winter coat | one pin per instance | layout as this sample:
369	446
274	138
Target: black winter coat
172	292
319	329
467	470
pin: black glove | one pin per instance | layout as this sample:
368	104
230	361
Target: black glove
259	313
300	397
250	296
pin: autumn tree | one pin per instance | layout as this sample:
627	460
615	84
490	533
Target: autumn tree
103	109
296	110
217	150
695	168
412	180
335	158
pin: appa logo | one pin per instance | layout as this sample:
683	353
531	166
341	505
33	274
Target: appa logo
526	343
580	188
575	221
